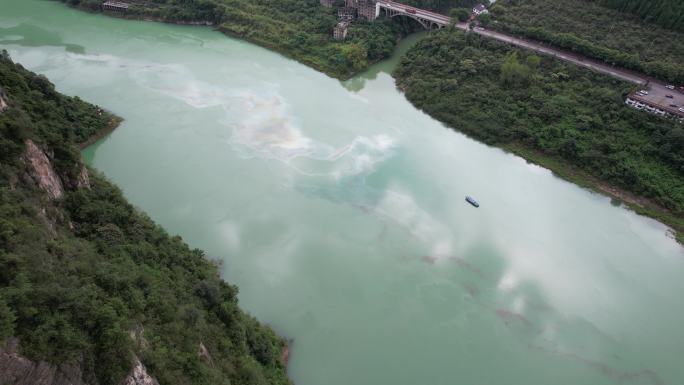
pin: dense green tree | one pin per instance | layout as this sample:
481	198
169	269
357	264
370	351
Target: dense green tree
7	319
513	73
567	116
613	36
485	19
81	275
301	29
461	14
666	13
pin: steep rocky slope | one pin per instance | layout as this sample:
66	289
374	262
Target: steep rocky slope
92	292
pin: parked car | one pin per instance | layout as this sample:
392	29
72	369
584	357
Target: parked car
681	109
669	96
674	105
644	92
670	87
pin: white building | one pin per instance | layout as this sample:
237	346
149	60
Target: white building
340	31
479	10
643	105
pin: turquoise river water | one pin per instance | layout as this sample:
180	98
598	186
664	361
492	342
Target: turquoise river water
338	209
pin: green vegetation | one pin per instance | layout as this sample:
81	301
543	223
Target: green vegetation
301	29
588	28
80	275
461	14
666	13
565	117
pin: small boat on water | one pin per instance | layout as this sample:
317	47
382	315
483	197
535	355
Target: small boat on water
472	201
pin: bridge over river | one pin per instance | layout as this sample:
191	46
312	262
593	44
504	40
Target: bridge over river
427	19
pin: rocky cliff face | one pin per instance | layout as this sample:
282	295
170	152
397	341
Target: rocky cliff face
203	354
83	181
41	171
139	375
16	369
44	175
3	100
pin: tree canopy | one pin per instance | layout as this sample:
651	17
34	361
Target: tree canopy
665	13
573	117
89	281
591	29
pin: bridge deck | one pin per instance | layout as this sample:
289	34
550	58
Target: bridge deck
413	12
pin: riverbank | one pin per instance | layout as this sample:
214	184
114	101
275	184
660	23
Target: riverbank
638	204
119	298
298	31
566	118
320	203
112	125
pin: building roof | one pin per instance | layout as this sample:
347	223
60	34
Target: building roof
672	110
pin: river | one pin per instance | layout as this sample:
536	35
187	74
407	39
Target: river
338	209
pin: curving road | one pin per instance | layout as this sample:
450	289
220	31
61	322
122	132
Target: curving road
563	55
659	94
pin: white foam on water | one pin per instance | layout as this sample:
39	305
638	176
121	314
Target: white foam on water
173	80
7	38
263	127
266	129
179	83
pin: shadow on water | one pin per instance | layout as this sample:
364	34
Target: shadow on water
28	35
357	83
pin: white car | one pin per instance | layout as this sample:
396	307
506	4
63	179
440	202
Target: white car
681	109
669	87
643	92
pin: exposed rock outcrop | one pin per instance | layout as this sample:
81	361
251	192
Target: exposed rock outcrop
49	223
16	369
44	175
3	100
138	335
203	354
285	353
83	180
42	172
139	375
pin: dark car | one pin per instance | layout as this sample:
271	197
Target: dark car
674	105
669	96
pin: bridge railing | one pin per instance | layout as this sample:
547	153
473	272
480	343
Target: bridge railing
432	16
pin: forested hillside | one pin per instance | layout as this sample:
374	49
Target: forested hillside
301	29
87	282
588	28
563	116
666	13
